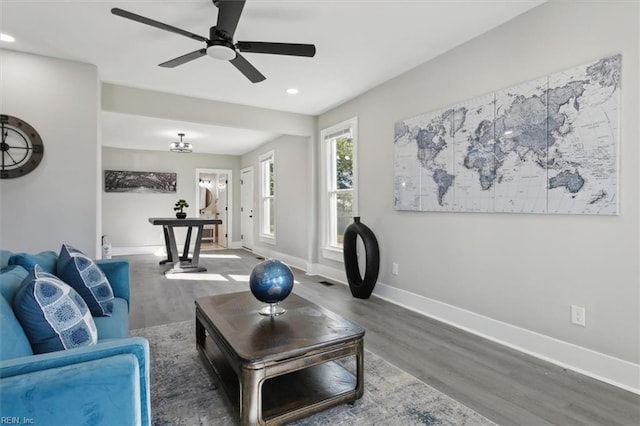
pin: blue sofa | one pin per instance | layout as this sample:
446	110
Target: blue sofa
102	384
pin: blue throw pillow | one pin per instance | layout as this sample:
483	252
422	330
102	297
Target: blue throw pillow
53	316
46	259
81	273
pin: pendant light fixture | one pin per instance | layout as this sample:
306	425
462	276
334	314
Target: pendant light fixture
180	146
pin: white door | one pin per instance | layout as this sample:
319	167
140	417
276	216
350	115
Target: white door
246	207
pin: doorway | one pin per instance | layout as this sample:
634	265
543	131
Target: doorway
246	207
213	187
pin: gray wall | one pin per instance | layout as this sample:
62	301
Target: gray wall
125	215
58	201
292	195
525	270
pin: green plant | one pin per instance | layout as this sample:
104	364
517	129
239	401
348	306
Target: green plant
180	204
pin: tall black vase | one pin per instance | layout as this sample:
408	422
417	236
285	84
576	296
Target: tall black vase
361	287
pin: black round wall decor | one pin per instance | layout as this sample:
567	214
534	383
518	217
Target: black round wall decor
361	287
21	149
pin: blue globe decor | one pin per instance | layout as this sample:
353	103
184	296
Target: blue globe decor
271	281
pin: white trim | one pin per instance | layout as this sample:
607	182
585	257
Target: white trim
617	372
241	243
333	253
236	245
330	272
603	367
290	260
328	251
608	369
267	238
127	251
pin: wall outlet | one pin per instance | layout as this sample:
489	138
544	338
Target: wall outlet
394	268
578	315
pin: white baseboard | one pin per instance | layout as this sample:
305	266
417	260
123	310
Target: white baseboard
234	245
290	260
337	275
127	251
614	371
617	372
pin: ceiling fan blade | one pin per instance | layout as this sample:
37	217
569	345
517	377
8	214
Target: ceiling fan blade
183	59
229	12
247	69
293	49
160	25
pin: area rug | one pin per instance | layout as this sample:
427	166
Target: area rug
184	393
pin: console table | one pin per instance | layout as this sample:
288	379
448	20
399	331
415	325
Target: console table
182	263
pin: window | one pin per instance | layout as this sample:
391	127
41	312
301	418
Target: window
340	196
267	197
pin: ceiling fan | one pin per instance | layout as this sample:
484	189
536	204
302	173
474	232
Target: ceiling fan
220	43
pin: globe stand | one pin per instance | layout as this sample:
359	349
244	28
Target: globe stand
272	310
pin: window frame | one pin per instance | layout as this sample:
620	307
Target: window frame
328	209
267	198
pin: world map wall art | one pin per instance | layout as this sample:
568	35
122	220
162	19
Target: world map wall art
545	146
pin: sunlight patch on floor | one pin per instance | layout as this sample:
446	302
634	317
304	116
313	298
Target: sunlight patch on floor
160	253
240	278
219	256
196	276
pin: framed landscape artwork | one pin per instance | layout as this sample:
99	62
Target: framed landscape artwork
140	182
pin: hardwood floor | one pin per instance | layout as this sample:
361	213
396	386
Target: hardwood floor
506	386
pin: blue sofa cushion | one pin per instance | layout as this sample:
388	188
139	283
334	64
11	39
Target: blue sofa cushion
10	279
47	260
5	255
14	342
53	316
81	273
117	325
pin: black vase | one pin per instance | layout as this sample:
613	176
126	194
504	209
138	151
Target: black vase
361	287
181	215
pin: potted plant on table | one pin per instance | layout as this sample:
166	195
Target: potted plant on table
180	204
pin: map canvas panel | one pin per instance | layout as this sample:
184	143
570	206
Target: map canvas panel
407	169
583	138
549	145
474	166
435	156
521	148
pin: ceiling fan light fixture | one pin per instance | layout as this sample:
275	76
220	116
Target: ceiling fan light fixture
221	49
183	147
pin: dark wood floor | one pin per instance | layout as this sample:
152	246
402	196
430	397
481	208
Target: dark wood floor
506	386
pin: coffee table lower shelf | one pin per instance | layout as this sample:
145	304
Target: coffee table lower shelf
291	395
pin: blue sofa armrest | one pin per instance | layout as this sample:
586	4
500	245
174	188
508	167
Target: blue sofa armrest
93	366
117	272
100	392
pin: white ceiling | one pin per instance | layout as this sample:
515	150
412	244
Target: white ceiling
359	43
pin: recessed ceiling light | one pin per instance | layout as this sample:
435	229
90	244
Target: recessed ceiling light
7	38
292	91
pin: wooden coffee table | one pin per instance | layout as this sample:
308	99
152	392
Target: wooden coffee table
278	369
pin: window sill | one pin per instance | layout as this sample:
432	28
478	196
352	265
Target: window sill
333	253
267	239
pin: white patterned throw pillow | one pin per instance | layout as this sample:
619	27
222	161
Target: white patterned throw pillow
52	314
81	273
